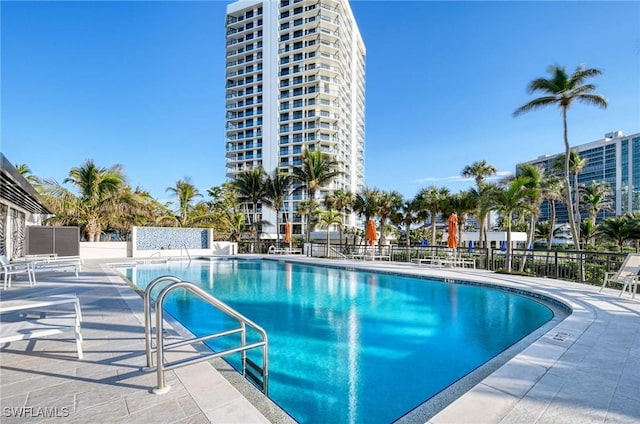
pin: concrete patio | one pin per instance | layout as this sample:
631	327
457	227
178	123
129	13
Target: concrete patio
585	369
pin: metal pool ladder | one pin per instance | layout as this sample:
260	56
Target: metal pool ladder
258	374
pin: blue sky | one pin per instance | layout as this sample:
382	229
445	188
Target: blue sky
141	84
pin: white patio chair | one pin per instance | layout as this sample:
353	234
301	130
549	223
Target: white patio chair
14	268
627	275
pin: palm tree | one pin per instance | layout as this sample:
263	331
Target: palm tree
185	192
135	207
480	171
483	198
618	229
341	201
463	203
433	200
562	90
388	203
251	188
24	170
551	188
509	200
596	197
576	165
224	205
406	215
98	189
328	218
318	169
535	175
308	208
278	187
366	204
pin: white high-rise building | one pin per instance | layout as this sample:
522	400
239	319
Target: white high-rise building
295	79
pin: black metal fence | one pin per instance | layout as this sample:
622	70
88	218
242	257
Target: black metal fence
559	264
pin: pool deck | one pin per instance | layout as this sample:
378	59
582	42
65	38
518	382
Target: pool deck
585	369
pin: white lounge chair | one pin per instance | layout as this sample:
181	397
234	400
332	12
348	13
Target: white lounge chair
42	323
14	268
627	275
59	263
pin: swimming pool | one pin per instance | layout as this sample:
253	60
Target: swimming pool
349	346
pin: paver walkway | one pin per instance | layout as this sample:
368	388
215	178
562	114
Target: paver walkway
43	379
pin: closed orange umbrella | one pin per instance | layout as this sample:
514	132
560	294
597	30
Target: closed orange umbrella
371	234
452	239
287	232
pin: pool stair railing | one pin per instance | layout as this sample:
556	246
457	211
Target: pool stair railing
335	253
259	375
186	250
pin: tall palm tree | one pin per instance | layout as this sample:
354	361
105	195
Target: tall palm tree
433	200
480	171
341	201
596	197
561	90
186	193
507	201
483	198
388	203
326	219
552	189
308	208
366	204
278	186
98	188
576	164
406	215
535	175
317	170
224	205
251	188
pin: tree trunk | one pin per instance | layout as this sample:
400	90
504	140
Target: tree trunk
433	228
552	222
568	194
92	230
277	227
508	252
408	243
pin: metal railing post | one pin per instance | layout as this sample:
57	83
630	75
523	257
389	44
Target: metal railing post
161	367
147	314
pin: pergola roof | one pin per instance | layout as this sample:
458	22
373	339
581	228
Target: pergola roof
15	189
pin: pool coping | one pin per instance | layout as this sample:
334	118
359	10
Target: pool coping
500	396
538	381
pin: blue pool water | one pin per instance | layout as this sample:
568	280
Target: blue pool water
354	347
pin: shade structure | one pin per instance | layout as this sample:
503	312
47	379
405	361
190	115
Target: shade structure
370	234
452	239
287	232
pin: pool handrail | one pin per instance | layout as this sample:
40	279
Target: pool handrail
161	366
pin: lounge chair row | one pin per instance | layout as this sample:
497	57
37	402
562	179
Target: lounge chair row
31	265
446	262
284	251
370	253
